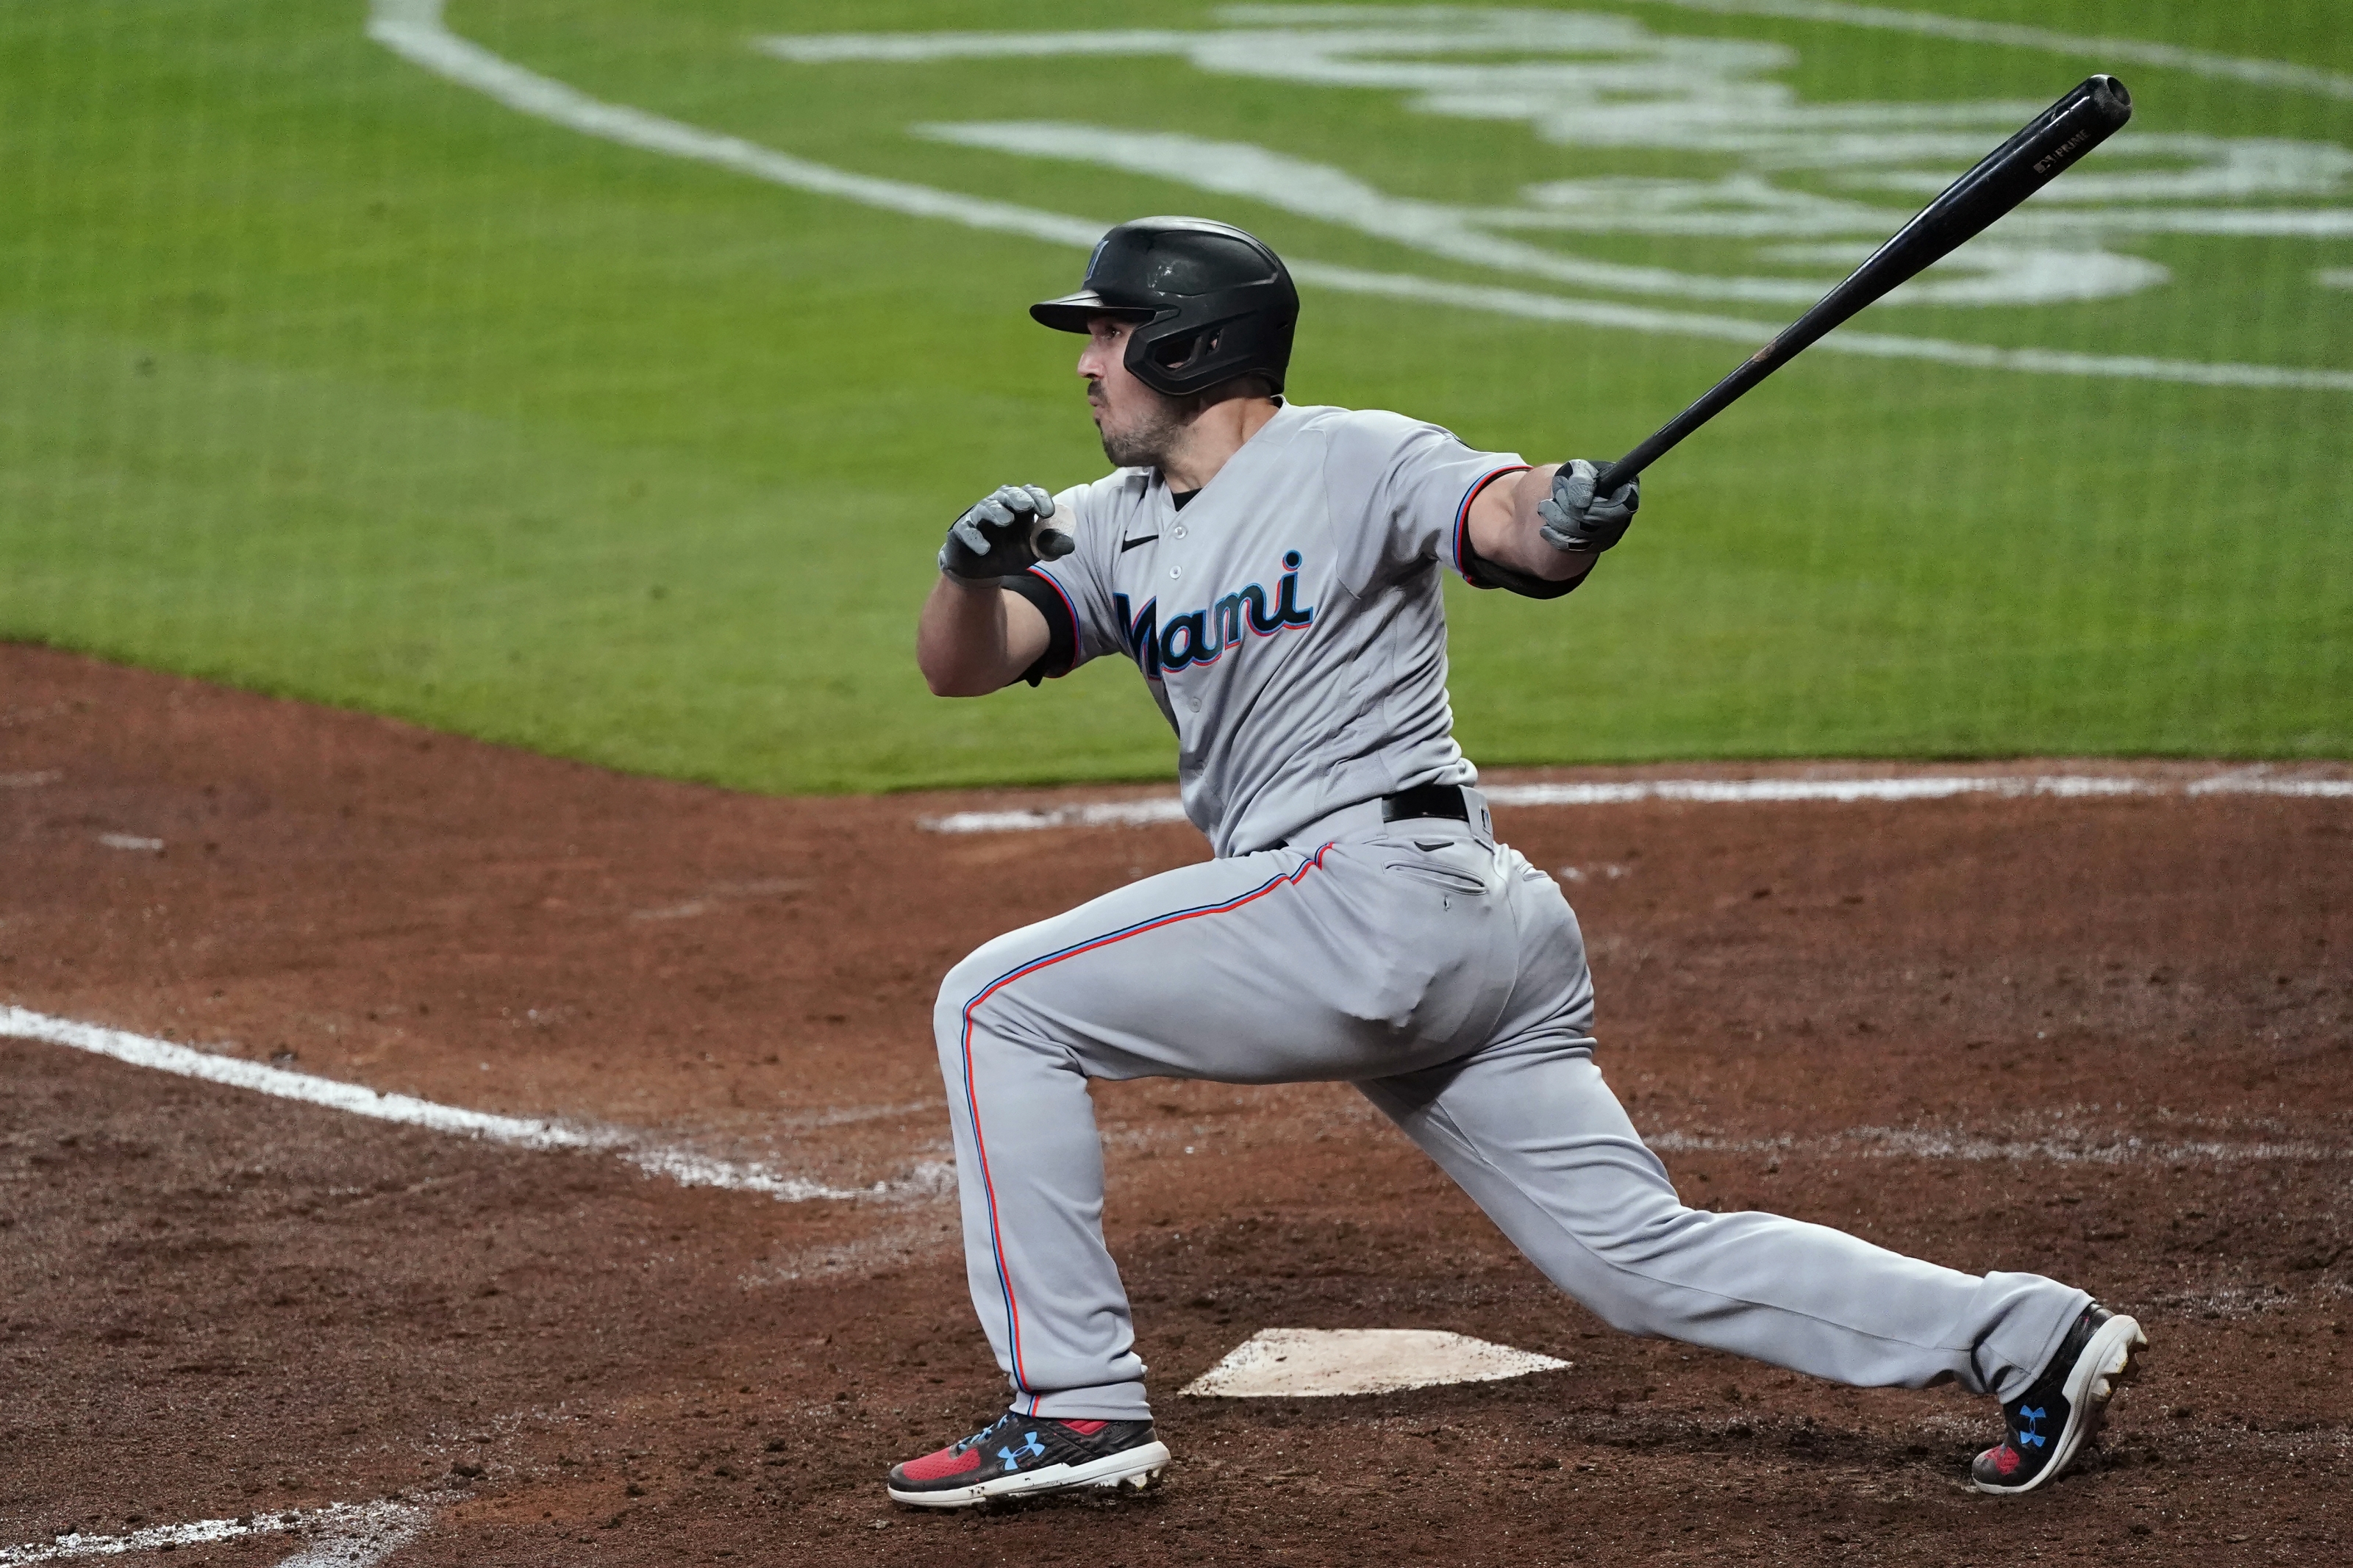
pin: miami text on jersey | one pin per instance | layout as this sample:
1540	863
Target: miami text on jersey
1201	635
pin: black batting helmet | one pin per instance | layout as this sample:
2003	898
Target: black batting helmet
1209	302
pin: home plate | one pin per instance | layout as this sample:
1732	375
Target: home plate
1297	1362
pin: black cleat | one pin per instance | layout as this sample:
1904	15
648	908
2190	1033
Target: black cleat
1025	1456
2060	1411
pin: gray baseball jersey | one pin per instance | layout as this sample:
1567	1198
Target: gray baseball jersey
1289	624
1288	620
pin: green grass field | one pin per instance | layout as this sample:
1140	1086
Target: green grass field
326	372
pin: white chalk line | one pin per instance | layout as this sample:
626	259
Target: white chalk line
344	1535
916	47
1581	79
683	1166
1982	274
2198	62
1155	810
1907	1143
415	30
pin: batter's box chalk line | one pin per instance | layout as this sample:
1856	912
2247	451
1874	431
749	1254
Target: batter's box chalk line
342	1535
2087	1146
1290	1364
1154	810
684	1166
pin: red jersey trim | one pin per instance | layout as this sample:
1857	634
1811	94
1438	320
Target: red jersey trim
1462	533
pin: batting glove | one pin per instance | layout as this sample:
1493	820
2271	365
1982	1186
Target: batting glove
1572	518
1000	536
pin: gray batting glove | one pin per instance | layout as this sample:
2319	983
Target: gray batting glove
1572	518
1000	536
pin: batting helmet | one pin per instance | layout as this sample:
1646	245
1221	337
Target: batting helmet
1209	302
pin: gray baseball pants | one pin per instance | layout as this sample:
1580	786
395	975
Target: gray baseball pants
1446	978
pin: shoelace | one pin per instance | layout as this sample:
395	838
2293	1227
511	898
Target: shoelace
982	1435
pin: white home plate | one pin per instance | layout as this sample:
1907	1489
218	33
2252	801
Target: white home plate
1296	1362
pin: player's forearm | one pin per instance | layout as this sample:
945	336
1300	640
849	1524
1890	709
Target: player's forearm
1505	530
963	643
960	638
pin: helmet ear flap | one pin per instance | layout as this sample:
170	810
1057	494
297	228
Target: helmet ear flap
1160	357
1179	364
1178	354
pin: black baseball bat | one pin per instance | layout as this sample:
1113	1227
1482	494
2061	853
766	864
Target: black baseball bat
2047	147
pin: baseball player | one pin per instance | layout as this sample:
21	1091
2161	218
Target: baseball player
1273	571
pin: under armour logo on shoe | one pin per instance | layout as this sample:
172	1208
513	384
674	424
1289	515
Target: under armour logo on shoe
1029	1449
2031	1421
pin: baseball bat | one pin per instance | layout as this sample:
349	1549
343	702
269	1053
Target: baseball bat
2048	145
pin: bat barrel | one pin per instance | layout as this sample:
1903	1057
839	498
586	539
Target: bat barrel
2043	149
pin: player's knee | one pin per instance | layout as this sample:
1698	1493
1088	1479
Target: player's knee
1644	1228
962	987
967	993
1631	1255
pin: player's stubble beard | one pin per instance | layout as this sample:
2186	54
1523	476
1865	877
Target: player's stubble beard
1146	437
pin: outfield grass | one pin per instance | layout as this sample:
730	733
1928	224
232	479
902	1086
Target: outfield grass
324	376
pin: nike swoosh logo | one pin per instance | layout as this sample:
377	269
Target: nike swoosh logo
1127	545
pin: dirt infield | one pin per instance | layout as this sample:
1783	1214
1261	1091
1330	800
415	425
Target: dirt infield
2107	1039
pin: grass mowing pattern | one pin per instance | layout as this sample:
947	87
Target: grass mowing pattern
321	375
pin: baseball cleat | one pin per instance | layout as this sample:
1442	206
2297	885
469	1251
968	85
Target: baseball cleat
2060	1411
1027	1455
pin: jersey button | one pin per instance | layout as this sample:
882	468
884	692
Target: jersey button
1180	533
1176	571
1195	705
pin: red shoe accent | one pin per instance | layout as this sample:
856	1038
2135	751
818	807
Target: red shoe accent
949	1461
1086	1428
2006	1460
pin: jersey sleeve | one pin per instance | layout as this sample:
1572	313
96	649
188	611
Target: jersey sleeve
1074	593
1411	486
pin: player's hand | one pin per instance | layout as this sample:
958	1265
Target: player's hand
1573	518
1001	535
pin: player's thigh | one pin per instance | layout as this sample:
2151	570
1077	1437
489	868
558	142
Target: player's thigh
1552	987
1530	1103
1269	967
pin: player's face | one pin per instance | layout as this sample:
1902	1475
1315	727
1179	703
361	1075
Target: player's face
1137	424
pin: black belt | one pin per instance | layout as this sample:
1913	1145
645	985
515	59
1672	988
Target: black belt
1426	800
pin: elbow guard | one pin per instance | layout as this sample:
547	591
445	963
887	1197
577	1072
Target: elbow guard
1481	573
